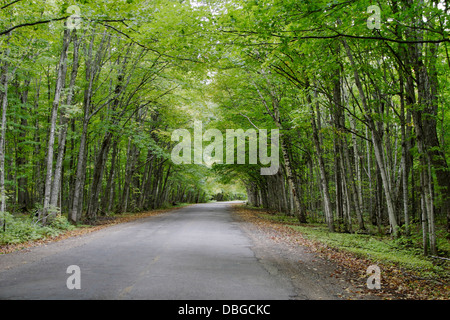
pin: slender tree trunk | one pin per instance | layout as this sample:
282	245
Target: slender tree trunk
148	184
64	126
54	115
23	197
100	162
358	180
133	153
337	116
353	189
338	182
4	82
430	205
36	194
424	214
347	203
108	197
164	187
93	66
146	177
323	175
405	158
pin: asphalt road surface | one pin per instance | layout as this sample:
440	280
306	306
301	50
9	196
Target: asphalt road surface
196	252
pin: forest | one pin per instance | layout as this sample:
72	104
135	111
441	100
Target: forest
91	92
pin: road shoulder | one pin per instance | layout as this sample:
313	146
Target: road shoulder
284	254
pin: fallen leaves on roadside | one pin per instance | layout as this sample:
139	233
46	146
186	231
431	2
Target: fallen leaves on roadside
395	282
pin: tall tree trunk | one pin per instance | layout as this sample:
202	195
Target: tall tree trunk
75	212
64	125
358	179
323	175
338	181
100	162
424	216
37	176
353	189
54	115
23	197
4	82
145	185
130	166
148	183
108	197
405	158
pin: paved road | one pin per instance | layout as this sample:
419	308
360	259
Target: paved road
197	252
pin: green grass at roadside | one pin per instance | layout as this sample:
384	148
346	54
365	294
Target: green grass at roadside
380	249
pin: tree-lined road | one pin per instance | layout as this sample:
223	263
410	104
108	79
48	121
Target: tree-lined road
97	114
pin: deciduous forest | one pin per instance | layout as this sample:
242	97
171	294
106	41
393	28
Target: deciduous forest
91	92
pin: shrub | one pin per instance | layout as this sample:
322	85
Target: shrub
21	229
